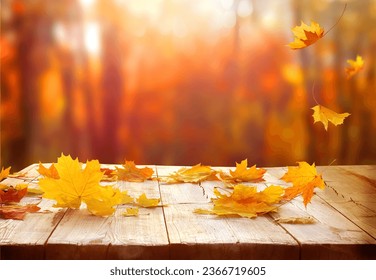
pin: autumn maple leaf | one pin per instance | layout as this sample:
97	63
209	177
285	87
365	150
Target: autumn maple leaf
325	115
195	174
304	179
10	194
354	66
143	201
17	212
306	35
4	173
50	172
76	185
245	201
243	174
132	173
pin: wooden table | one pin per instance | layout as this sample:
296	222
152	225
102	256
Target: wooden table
345	227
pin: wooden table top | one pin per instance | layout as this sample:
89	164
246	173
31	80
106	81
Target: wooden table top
345	227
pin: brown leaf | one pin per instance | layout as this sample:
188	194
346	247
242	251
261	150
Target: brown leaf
243	174
295	220
195	174
245	201
17	212
10	194
132	173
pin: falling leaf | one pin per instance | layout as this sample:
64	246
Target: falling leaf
296	220
132	173
354	67
50	172
304	179
245	201
4	173
195	174
77	185
10	194
243	174
143	201
129	212
17	212
306	35
325	115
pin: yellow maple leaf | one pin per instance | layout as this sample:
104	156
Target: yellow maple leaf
132	173
304	179
129	212
325	115
195	174
77	185
4	173
243	174
354	66
245	201
306	35
143	201
50	172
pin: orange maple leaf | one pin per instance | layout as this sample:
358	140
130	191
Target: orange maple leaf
17	212
325	115
4	173
195	174
304	179
50	172
243	174
354	67
306	35
245	201
9	194
132	173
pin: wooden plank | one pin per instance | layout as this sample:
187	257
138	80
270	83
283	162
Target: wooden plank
194	236
333	236
352	191
25	239
81	235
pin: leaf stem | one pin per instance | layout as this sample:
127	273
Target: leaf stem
343	12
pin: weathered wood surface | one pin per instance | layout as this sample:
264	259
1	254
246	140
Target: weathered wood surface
344	228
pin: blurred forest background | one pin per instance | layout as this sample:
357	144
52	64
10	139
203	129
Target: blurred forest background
179	82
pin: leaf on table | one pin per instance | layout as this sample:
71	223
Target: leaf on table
129	212
132	173
195	174
34	190
77	185
245	201
243	174
126	198
4	173
325	115
306	35
17	212
354	66
50	172
304	179
295	220
10	194
108	175
143	201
